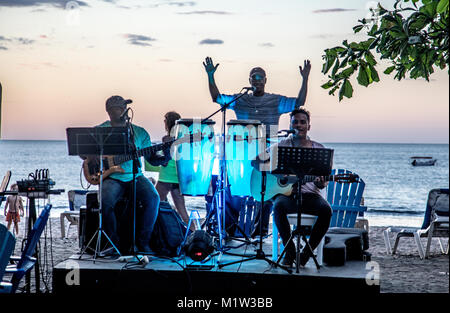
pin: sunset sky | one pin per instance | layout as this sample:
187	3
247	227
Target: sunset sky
60	60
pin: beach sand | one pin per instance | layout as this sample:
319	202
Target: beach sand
402	273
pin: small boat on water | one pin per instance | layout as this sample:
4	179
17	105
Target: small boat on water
422	161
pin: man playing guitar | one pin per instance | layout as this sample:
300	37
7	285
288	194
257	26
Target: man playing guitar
119	184
312	201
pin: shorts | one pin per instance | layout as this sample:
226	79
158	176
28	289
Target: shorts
13	217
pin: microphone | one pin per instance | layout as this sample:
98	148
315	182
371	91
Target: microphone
289	131
125	114
249	88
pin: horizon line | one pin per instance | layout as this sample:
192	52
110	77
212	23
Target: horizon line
347	142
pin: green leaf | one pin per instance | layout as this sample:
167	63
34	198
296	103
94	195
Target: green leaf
363	78
358	28
389	70
346	90
442	6
330	57
374	73
347	72
370	58
327	85
332	91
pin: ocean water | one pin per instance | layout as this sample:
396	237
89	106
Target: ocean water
395	194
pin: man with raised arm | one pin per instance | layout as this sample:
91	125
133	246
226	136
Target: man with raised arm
262	106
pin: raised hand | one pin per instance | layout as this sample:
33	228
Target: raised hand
209	66
304	71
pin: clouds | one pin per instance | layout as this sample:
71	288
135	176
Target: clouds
31	3
206	12
333	10
136	4
5	42
178	3
209	41
266	45
139	40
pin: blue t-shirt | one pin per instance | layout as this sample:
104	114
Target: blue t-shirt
141	140
267	108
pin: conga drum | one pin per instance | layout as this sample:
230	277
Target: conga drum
194	158
241	147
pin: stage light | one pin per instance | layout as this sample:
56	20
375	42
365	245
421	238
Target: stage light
199	245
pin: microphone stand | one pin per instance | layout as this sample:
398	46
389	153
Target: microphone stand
135	161
222	181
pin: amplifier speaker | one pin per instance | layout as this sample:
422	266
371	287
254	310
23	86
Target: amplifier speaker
89	223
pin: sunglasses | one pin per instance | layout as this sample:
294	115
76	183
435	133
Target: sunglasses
257	77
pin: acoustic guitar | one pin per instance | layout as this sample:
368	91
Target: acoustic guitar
276	185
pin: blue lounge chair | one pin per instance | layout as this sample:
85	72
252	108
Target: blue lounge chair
345	200
26	262
435	224
7	244
4	185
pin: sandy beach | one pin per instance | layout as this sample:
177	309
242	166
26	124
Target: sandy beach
402	273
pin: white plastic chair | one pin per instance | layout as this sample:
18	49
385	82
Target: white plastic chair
436	224
306	220
77	199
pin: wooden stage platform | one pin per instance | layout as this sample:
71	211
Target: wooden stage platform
185	277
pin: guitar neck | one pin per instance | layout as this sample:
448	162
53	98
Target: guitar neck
311	178
143	152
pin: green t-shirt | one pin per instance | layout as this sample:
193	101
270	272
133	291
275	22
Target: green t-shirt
167	174
141	140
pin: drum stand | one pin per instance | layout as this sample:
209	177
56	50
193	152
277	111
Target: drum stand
209	219
260	255
222	180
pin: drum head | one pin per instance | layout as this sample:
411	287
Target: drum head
243	122
190	121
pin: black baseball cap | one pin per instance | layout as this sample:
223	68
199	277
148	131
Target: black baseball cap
117	101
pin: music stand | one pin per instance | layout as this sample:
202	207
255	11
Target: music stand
98	141
301	162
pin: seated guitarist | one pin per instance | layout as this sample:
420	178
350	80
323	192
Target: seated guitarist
118	185
312	201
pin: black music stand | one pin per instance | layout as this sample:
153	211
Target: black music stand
98	141
301	162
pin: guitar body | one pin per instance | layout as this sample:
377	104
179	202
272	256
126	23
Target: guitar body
91	168
274	186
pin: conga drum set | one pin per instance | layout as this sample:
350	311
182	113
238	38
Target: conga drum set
195	160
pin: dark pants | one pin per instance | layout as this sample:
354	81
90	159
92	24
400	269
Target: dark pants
146	213
265	217
312	204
